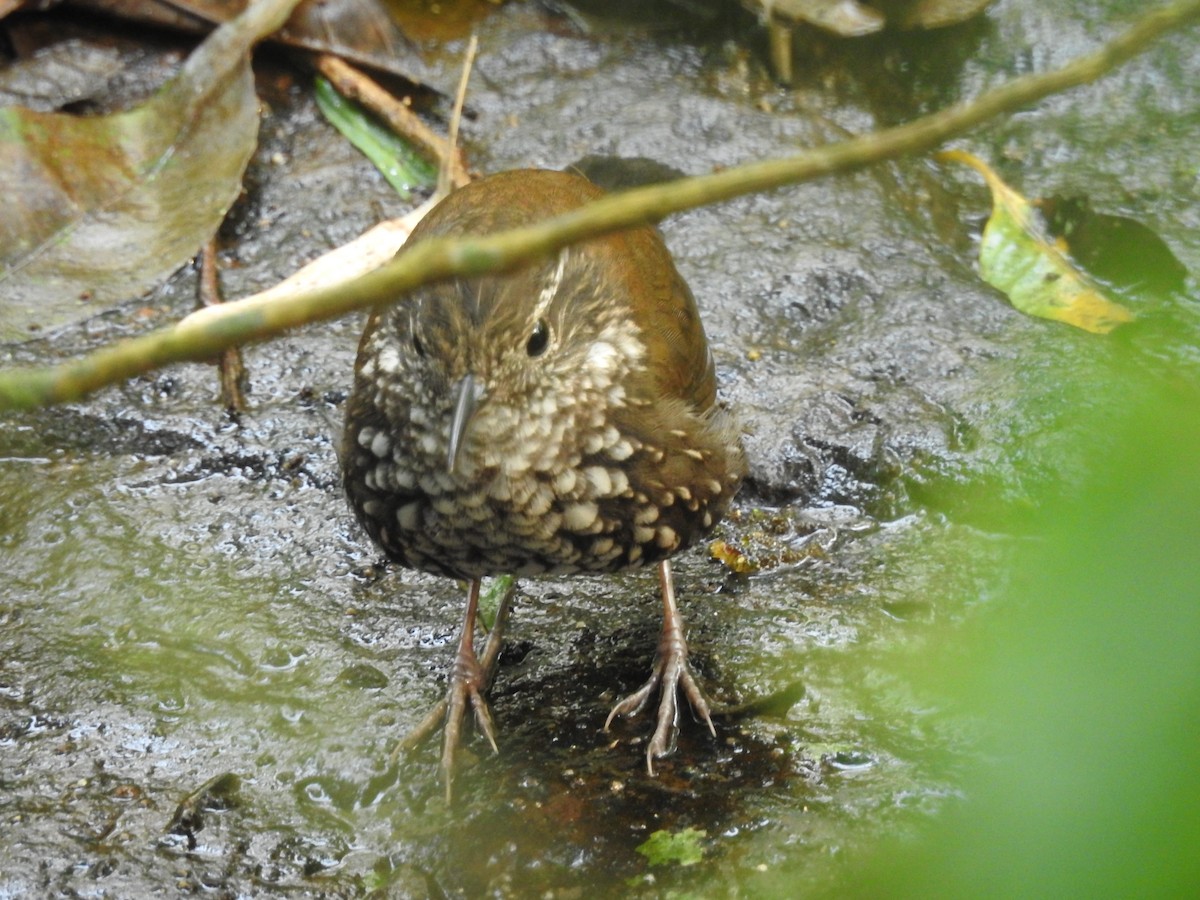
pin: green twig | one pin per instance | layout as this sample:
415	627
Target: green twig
203	334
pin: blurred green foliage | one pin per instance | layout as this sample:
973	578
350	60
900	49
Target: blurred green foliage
1086	677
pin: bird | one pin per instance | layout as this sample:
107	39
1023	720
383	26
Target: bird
559	418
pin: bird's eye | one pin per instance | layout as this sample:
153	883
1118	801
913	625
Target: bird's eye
539	339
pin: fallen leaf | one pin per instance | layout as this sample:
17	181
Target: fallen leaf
1019	258
99	209
361	31
62	73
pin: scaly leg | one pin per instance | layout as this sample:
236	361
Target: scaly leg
467	682
671	673
470	678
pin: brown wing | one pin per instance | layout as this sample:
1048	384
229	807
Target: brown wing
680	363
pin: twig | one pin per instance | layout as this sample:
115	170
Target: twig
352	83
234	380
209	331
446	178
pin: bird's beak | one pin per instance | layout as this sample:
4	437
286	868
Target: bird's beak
468	394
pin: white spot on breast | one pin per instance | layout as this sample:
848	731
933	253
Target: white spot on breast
408	517
580	516
472	501
620	482
381	445
389	359
518	462
646	515
539	502
383	476
366	437
667	538
564	482
601	484
621	450
429	444
643	535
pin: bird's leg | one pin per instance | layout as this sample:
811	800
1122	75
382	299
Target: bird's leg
485	666
671	674
468	681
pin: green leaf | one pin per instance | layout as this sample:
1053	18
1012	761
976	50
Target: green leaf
402	166
1017	257
681	847
100	209
489	603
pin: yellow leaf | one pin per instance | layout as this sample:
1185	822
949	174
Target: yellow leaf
1017	257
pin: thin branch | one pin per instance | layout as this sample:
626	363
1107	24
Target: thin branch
446	179
230	365
209	331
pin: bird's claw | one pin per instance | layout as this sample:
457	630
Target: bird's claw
671	675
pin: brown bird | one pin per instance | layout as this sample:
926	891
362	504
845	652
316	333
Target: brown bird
560	418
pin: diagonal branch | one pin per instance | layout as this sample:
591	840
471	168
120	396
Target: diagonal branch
209	331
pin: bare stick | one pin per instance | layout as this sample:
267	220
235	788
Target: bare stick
446	181
233	377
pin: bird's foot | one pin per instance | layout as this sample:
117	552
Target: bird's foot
470	677
671	675
468	681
